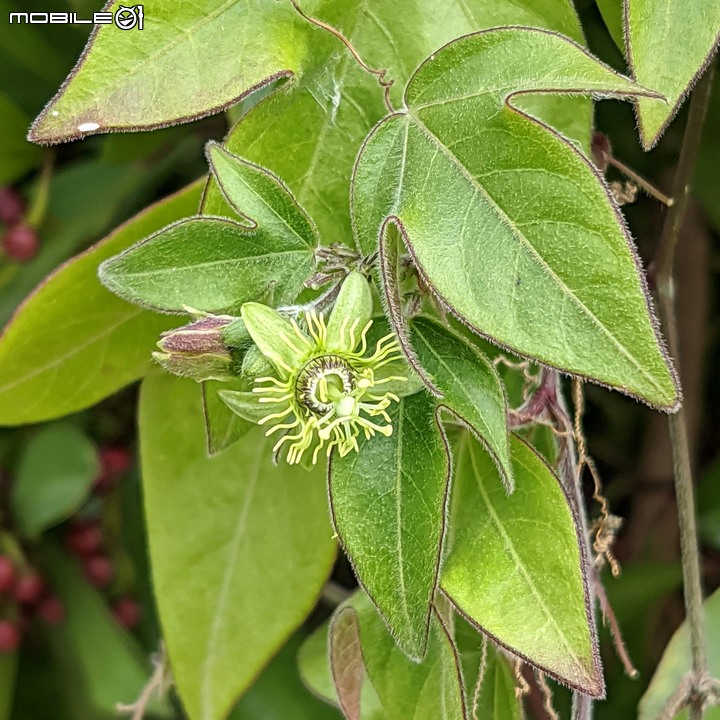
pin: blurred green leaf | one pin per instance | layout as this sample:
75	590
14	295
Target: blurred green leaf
708	504
17	155
668	44
514	564
104	657
401	483
8	669
471	388
279	694
705	185
55	474
209	264
319	121
676	663
72	342
85	198
142	79
256	546
612	15
505	219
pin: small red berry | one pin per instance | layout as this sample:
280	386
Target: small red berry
116	461
9	637
51	610
12	206
29	588
7	574
127	612
85	539
99	570
21	243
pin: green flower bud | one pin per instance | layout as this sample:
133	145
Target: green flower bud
197	350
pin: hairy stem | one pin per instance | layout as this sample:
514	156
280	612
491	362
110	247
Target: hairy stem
678	425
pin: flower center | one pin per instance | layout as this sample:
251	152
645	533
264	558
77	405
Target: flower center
324	383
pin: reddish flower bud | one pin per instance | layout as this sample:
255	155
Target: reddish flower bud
29	588
7	574
9	637
12	206
21	243
99	570
127	612
197	350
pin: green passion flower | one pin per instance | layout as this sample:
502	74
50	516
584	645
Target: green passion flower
328	386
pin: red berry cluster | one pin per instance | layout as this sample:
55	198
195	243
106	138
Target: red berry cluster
24	595
86	541
20	242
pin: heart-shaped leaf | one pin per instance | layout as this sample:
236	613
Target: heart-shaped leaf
515	565
506	220
388	504
471	388
256	547
160	71
669	44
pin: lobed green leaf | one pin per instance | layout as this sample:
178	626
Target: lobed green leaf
309	132
506	220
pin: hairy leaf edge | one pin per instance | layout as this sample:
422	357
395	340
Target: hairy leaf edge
114	287
649	143
39	139
252	224
415	656
598	690
659	339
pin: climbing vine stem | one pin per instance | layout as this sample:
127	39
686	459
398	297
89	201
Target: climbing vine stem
381	73
698	691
